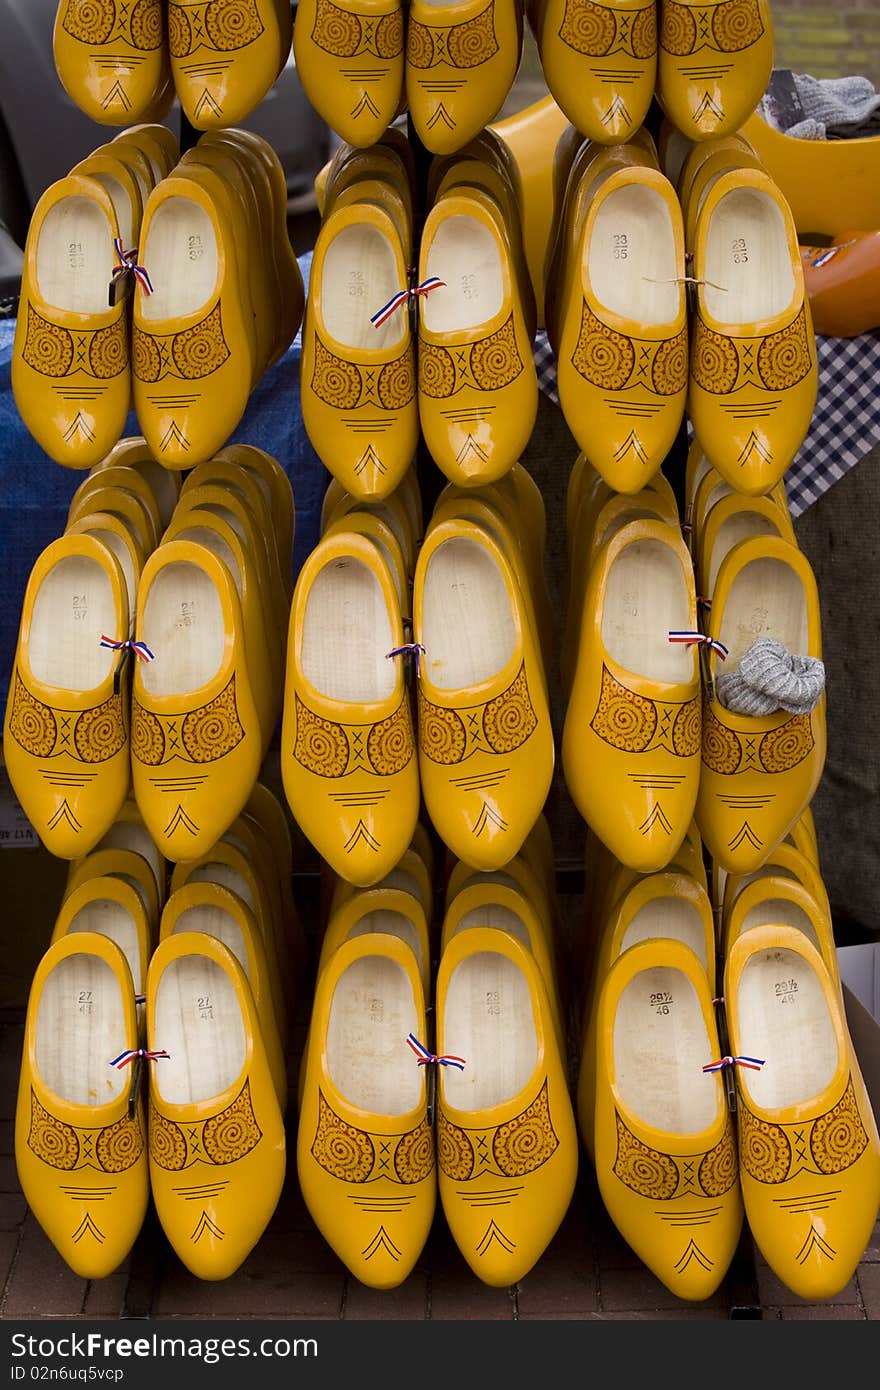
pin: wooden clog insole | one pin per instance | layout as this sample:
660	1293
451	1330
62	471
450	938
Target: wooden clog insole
488	1021
121	205
766	599
215	921
747	254
784	1019
499	916
80	1029
742	526
132	835
75	257
371	1013
228	877
393	924
211	540
181	258
468	629
116	545
632	263
112	919
183	626
467	258
781	912
73	610
359	276
347	634
670	918
734	884
646	598
660	1049
384	513
198	1020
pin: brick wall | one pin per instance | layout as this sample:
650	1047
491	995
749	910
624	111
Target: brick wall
828	38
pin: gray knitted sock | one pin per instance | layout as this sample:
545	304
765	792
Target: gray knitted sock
771	678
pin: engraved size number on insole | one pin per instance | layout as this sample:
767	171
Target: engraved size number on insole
739	250
80	606
661	1001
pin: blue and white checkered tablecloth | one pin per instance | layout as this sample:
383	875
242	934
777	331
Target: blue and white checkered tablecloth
845	424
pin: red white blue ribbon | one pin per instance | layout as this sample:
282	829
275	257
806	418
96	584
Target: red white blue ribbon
700	638
414	649
402	296
131	1054
127	264
752	1063
140	649
427	1058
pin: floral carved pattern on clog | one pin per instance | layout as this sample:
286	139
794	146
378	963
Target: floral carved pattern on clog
354	1155
500	726
661	1176
226	26
510	1150
329	749
489	364
91	736
722	364
728	28
106	21
110	1148
635	724
345	35
773	1153
192	354
57	352
466	45
346	386
597	31
615	362
223	1138
202	736
778	750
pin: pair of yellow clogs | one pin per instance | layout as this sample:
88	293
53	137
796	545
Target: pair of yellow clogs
121	62
363	63
708	65
464	376
209	1142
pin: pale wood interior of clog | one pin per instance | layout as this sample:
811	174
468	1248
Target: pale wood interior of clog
183	627
488	1020
739	526
347	634
112	919
466	256
360	274
393	924
80	1028
198	1020
215	871
469	630
660	1046
73	609
116	545
371	1013
631	259
765	599
133	835
748	262
784	1020
182	259
215	921
732	884
75	257
672	918
646	598
121	205
495	915
780	911
213	541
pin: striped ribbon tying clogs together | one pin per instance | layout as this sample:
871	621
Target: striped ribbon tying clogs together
433	282
427	1058
413	649
699	639
133	1054
127	264
752	1063
140	649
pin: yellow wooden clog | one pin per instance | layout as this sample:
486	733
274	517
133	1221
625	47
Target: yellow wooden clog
518	874
753	368
784	861
111	59
133	452
409	875
132	480
111	531
66	727
159	141
666	1159
395	510
365	1142
225	58
758	773
714	63
380	534
507	1146
274	482
109	906
217	1143
349	58
133	869
776	900
486	751
128	832
809	1152
734	518
348	758
195	730
106	166
80	1134
705	162
70	354
631	734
